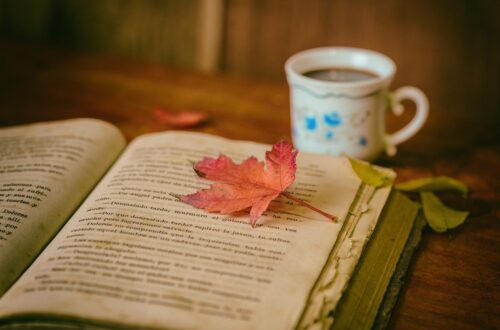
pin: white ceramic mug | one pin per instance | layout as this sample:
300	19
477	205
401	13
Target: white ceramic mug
332	117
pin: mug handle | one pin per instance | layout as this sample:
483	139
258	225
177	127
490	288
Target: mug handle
416	95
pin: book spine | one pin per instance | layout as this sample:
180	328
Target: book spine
398	279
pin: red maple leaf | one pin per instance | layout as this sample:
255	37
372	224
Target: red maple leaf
251	184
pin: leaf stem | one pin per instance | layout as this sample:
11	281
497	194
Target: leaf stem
309	206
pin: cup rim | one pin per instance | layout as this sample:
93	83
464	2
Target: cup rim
323	83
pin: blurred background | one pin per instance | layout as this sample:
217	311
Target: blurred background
448	48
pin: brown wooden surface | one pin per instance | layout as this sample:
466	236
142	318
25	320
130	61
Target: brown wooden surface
454	280
447	48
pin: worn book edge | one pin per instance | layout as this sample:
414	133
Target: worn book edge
357	229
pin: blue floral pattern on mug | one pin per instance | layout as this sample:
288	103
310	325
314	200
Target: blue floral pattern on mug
311	123
332	119
335	127
363	141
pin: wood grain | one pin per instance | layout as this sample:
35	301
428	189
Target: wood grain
454	280
161	31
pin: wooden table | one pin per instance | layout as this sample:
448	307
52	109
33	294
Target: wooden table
454	280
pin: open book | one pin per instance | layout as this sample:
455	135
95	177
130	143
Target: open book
90	234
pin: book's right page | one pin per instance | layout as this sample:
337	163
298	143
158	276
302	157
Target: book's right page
133	254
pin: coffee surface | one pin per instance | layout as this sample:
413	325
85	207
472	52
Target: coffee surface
339	74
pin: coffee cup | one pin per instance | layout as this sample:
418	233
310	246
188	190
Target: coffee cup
339	97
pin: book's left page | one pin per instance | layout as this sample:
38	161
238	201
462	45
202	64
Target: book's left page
46	170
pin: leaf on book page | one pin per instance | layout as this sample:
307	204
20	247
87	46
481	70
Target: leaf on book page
442	183
369	174
440	217
251	184
183	119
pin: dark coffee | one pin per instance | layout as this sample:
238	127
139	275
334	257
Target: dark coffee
338	74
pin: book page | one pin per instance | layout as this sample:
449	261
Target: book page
46	170
134	254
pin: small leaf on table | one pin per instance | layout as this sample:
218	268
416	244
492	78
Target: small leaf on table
439	217
183	119
442	183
